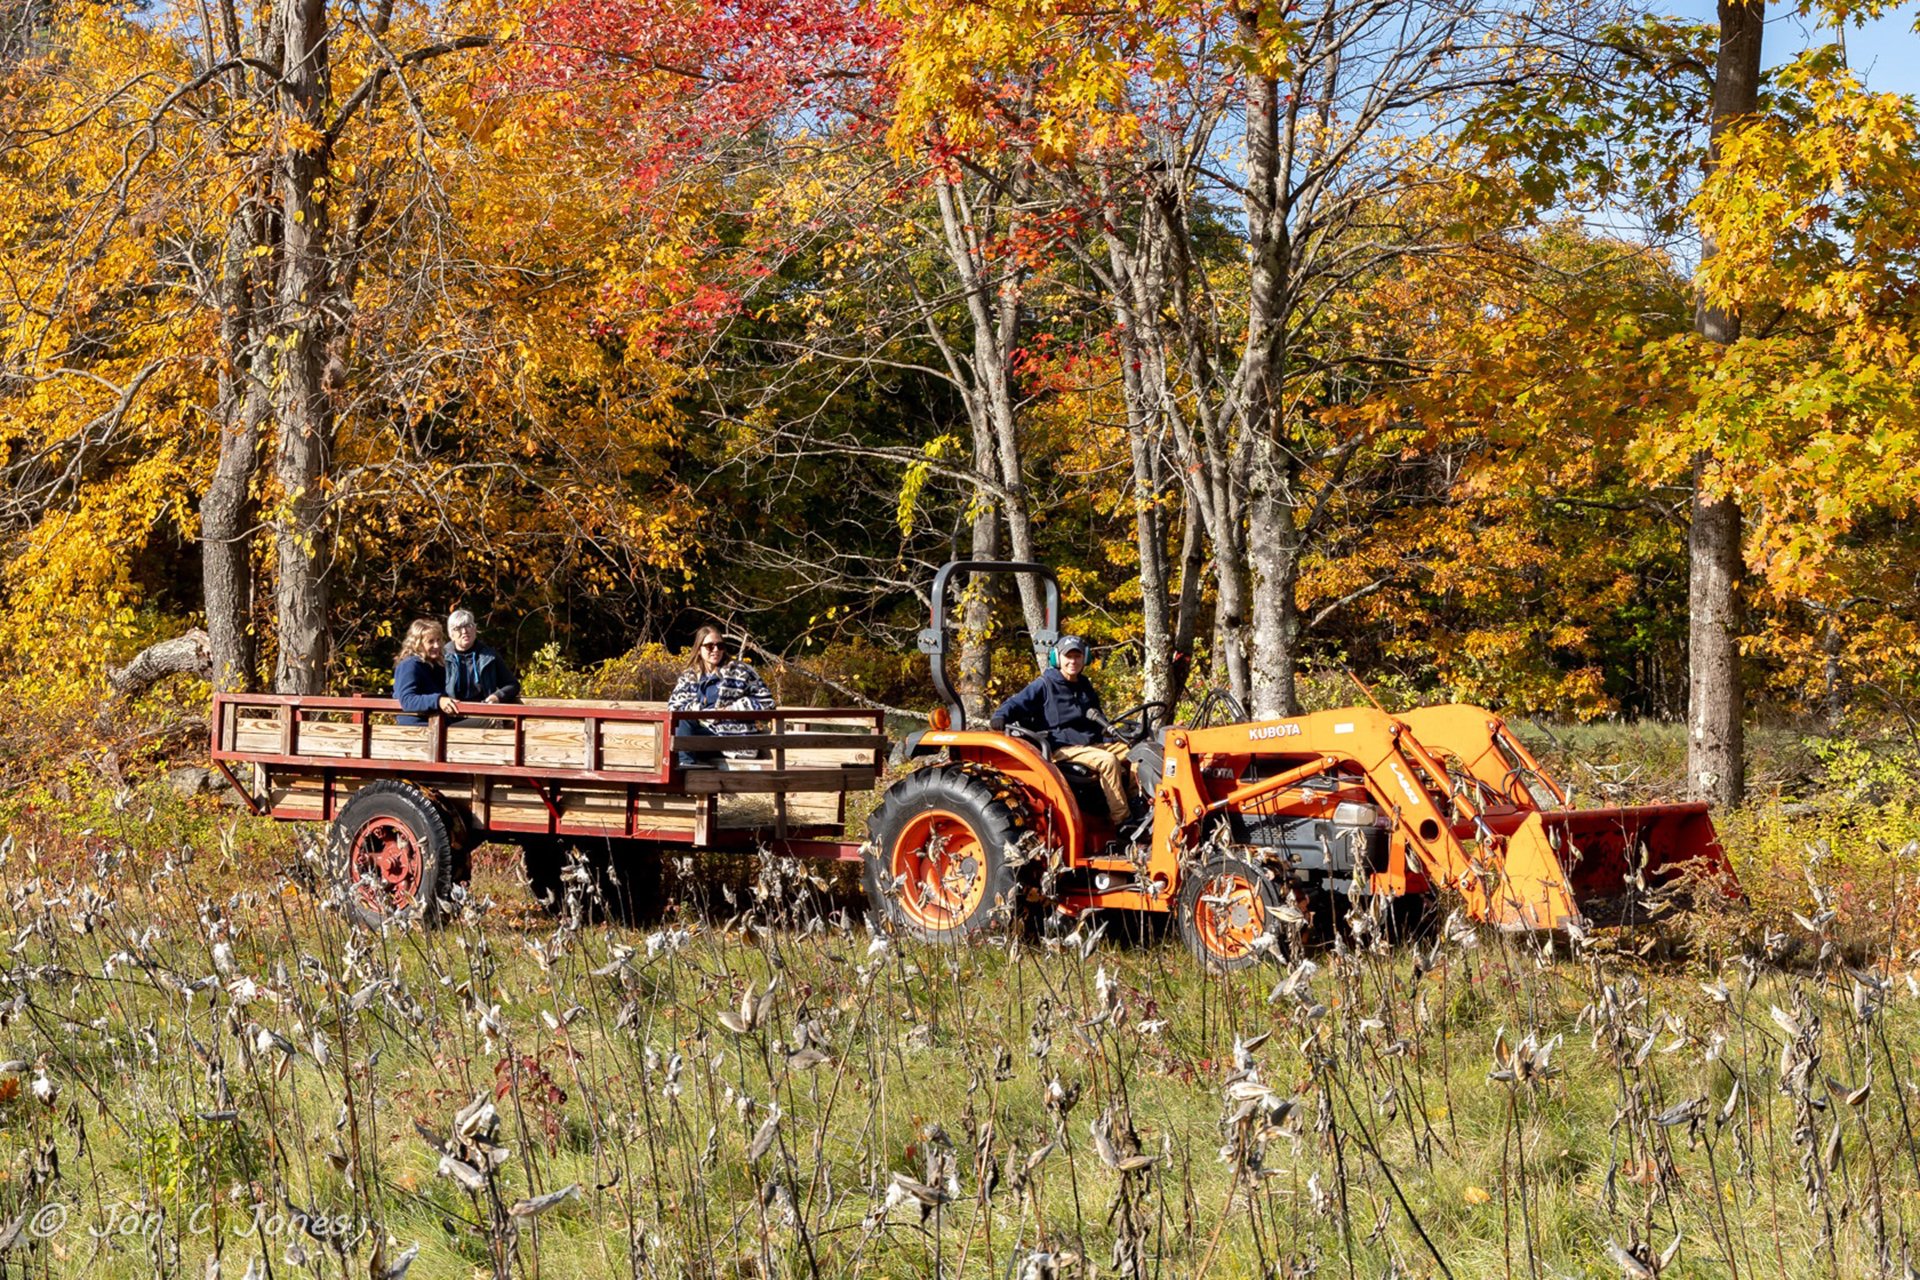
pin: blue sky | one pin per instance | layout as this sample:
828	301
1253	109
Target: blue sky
1885	52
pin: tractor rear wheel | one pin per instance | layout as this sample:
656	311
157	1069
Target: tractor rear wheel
1225	906
390	847
940	855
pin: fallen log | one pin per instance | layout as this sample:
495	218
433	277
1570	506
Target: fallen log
189	654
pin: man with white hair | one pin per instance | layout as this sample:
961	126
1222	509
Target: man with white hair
475	673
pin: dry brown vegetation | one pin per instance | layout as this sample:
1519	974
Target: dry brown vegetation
200	1059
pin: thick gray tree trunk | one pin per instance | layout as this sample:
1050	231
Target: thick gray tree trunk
1275	548
301	407
227	508
1272	540
1716	696
1133	298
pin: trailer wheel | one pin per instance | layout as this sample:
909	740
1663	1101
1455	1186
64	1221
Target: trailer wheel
939	859
389	846
1225	906
458	868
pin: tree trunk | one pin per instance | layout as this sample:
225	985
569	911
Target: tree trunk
995	314
305	416
1186	617
1140	379
1268	684
1716	698
227	508
1275	551
976	618
1833	694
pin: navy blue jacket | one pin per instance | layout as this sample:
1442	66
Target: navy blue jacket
418	686
1059	706
472	675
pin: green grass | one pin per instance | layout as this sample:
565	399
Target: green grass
1384	1145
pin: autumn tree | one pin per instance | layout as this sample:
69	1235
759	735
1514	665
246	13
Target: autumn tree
474	373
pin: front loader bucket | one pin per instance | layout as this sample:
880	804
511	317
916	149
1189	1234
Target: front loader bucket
1603	865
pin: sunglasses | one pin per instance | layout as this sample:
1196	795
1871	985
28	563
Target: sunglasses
713	644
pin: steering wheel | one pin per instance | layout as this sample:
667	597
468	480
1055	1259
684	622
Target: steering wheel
1136	723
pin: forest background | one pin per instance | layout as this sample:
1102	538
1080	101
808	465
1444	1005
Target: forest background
1555	356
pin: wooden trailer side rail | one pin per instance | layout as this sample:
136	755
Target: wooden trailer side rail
596	769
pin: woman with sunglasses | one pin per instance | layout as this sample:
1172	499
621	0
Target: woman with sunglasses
713	683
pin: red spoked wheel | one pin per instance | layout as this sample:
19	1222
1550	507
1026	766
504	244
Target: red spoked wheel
386	865
1226	907
390	848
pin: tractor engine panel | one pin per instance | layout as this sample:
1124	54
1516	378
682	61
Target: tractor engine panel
1350	844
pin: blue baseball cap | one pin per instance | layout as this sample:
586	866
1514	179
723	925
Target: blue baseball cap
1070	644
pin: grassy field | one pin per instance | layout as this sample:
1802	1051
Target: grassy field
205	1060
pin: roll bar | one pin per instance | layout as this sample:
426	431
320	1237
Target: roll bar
933	639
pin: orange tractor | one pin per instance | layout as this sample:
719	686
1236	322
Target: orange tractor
1260	826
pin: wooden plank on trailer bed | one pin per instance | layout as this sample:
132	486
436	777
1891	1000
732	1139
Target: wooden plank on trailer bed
600	807
804	809
305	794
735	781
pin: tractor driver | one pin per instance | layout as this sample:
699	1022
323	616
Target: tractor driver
1063	703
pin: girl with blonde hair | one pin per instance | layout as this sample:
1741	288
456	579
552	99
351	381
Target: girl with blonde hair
420	679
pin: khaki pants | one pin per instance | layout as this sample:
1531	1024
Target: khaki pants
1108	760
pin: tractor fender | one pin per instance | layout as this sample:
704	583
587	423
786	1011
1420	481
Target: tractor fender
911	748
1025	764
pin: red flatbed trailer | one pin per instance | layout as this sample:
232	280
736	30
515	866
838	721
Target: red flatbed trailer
406	803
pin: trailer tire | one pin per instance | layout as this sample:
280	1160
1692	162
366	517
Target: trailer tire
1224	906
390	849
461	841
940	855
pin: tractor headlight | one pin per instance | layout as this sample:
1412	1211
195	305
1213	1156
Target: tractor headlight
1355	815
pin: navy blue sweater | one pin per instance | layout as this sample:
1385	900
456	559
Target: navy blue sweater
1058	706
418	686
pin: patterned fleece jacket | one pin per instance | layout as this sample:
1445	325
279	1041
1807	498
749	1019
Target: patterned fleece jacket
734	687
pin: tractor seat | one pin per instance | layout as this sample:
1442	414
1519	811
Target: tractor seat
1085	785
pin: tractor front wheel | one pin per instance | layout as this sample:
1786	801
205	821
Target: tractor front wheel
940	855
1225	907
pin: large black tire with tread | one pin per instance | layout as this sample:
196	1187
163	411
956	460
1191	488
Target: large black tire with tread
461	841
940	862
390	847
1223	906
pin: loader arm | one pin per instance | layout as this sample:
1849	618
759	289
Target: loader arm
1505	879
1489	750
